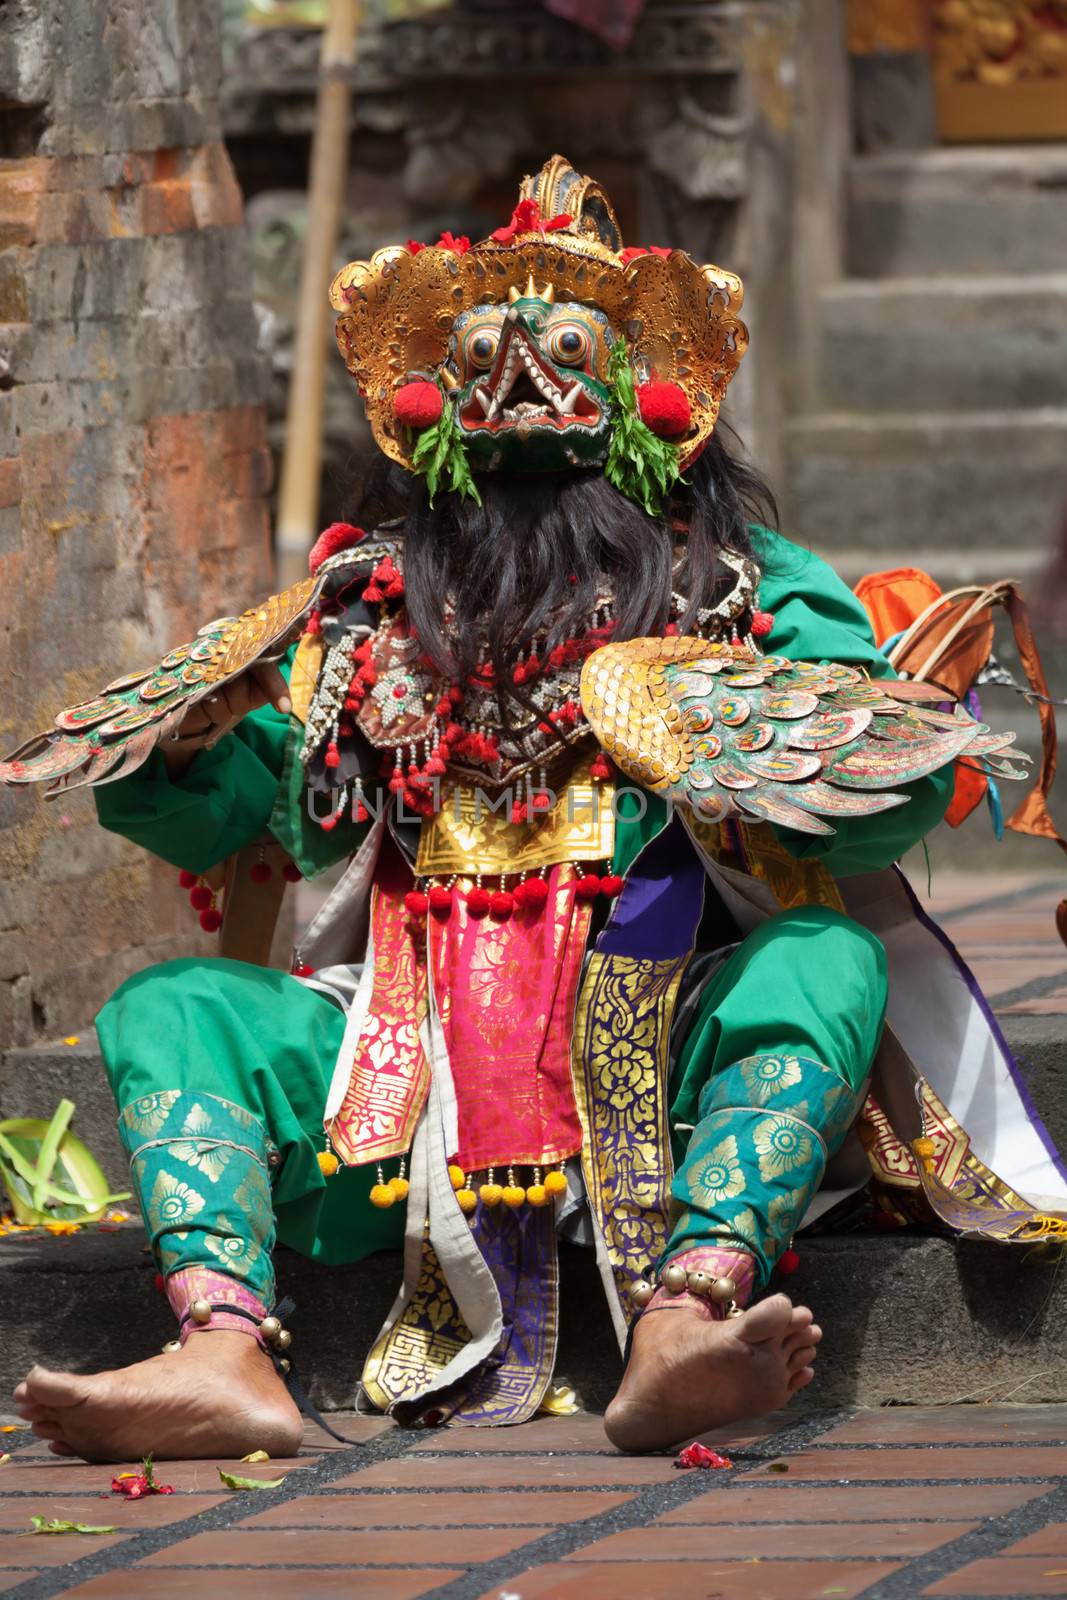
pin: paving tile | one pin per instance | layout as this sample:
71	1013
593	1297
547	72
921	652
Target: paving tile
445	1509
1029	1575
716	1541
786	1502
325	1547
1050	1541
696	1580
953	1425
357	1430
949	1464
296	1584
52	1549
129	1516
583	1432
513	1472
199	1477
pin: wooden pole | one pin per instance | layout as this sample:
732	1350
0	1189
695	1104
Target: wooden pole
298	495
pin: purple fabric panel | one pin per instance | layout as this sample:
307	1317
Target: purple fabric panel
994	1027
657	913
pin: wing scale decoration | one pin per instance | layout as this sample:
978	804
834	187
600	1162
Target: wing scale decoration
109	736
728	731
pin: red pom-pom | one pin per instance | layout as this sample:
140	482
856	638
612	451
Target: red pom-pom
417	902
519	813
664	408
338	536
540	801
477	902
535	893
501	905
333	755
303	970
200	897
160	1283
261	872
291	872
762	623
788	1263
588	886
600	768
418	405
440	900
211	920
187	880
611	884
328	824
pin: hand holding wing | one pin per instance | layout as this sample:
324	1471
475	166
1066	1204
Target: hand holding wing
111	735
792	742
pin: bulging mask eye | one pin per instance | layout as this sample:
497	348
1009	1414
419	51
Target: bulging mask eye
569	344
480	347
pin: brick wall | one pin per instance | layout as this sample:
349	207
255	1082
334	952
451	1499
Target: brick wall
133	466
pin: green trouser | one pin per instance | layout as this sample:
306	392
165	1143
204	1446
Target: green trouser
220	1071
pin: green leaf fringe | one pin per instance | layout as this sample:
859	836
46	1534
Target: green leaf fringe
642	466
441	454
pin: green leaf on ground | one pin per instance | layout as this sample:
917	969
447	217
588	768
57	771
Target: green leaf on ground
58	1525
232	1481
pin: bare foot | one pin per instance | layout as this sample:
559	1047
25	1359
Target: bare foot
686	1375
218	1396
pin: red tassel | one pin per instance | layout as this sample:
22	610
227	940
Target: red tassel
416	902
333	755
519	812
291	872
440	900
587	886
187	880
535	893
328	824
540	801
477	902
600	768
501	905
261	872
611	885
788	1263
303	970
762	623
200	897
211	920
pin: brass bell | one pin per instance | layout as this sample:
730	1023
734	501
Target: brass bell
722	1290
283	1340
674	1278
641	1292
285	1365
200	1311
270	1328
172	1347
699	1282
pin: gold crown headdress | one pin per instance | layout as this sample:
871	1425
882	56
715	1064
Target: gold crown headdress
405	313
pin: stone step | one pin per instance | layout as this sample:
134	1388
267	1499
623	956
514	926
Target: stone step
986	209
908	1319
951	344
33	1080
931	487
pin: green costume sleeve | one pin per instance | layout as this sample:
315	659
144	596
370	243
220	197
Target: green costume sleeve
818	618
221	802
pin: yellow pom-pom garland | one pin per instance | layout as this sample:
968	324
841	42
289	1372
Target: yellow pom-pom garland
328	1163
467	1198
457	1175
536	1196
382	1196
490	1191
556	1182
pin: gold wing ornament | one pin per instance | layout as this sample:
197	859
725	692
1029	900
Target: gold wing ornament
727	731
111	735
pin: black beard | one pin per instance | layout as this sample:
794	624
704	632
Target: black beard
535	558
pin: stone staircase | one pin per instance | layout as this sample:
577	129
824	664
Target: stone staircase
937	428
909	1319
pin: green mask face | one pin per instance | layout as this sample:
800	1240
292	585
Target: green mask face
532	394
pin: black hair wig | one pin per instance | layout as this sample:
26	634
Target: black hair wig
484	581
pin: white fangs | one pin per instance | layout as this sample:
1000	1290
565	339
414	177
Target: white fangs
521	358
